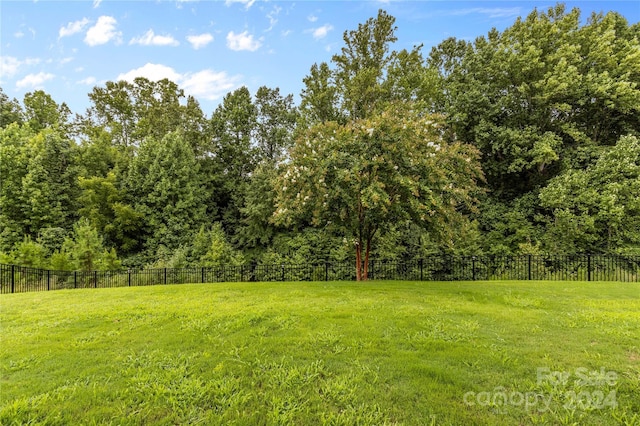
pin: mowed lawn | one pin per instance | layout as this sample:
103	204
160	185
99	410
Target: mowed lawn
336	353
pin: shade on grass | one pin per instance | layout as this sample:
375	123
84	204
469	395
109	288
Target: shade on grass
324	353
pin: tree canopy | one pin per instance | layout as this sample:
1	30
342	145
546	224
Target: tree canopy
520	141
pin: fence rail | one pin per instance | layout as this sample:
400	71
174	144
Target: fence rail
18	279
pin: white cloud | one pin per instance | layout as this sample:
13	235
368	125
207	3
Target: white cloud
312	18
242	41
34	80
273	17
209	85
73	28
89	81
10	65
96	3
247	3
152	39
103	32
200	41
18	34
205	84
322	31
66	60
153	72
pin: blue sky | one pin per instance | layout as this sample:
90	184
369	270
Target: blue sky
213	47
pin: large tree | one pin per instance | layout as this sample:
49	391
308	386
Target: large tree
10	110
164	186
597	210
543	95
374	155
372	173
546	96
366	76
38	182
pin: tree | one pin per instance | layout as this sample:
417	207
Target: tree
103	205
234	155
597	210
546	96
14	158
219	251
320	99
164	186
371	173
275	122
38	182
542	96
50	186
85	250
10	110
42	112
361	64
133	111
366	76
30	253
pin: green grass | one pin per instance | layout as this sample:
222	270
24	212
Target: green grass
337	353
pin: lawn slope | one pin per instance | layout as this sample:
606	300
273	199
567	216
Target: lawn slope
337	353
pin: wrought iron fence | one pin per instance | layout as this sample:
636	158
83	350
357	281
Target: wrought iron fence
17	279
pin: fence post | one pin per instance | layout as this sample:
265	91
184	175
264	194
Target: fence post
202	276
529	268
48	280
326	270
129	277
420	262
13	278
95	279
75	279
282	273
588	267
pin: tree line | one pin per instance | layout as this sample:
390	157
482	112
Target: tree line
522	141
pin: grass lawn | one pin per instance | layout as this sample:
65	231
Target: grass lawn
339	353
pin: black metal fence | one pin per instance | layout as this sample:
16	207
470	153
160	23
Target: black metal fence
17	279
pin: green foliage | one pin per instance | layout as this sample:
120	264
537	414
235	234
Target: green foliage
255	229
85	250
219	251
42	112
543	94
370	158
366	76
103	205
50	187
308	246
30	253
370	174
10	110
52	238
164	186
597	210
276	117
14	158
39	182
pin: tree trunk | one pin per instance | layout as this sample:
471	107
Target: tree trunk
358	263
